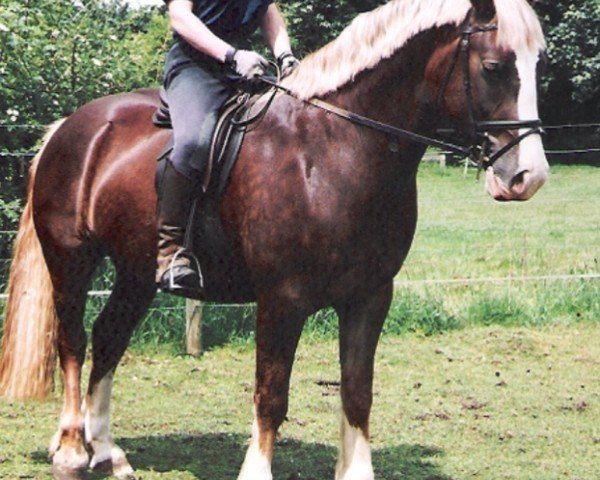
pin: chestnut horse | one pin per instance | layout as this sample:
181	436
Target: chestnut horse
319	212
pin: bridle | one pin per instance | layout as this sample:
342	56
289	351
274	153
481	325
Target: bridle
479	152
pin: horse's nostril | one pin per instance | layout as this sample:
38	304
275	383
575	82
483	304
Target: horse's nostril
518	179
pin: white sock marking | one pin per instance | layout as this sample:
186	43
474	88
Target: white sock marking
354	462
96	409
257	465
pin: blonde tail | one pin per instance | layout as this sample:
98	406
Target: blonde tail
28	354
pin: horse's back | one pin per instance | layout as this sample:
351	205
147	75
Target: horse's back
95	178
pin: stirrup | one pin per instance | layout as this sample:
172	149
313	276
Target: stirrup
175	288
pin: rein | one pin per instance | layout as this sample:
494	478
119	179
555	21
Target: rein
480	150
374	124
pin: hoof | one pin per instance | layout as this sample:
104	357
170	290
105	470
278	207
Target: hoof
118	467
62	473
68	460
123	472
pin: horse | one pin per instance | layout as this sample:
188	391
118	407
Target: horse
320	212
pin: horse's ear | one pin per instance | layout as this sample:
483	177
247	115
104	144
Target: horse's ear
485	10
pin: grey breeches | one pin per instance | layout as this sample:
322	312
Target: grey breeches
194	97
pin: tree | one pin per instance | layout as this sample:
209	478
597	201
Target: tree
313	23
56	56
571	85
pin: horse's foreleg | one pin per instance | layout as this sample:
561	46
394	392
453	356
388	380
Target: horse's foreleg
361	322
278	332
112	330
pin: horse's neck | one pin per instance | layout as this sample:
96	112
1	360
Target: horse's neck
395	91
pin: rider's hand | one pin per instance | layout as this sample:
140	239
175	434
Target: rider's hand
287	63
249	64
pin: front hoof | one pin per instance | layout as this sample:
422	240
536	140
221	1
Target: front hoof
116	464
121	472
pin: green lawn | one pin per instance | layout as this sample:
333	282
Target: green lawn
484	403
463	233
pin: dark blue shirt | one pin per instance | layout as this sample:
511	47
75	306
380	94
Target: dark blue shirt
232	20
225	17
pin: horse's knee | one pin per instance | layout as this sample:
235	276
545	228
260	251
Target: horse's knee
188	150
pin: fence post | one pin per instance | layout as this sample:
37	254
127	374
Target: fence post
193	327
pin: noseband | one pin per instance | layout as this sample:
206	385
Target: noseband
480	150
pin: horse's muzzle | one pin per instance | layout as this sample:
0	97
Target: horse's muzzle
522	186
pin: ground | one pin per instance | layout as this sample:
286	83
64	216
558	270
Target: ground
482	402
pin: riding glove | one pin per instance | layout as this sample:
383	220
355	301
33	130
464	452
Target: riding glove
287	63
248	64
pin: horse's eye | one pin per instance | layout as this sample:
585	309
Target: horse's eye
491	65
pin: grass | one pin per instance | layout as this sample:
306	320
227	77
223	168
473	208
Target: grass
485	402
463	233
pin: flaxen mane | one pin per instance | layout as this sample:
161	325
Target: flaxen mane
376	35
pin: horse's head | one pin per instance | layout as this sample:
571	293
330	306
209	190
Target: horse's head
488	79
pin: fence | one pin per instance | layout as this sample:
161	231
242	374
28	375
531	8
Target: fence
21	155
414	275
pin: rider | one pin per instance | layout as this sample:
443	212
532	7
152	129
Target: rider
211	48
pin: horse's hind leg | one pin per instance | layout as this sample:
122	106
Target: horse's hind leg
71	273
131	296
361	321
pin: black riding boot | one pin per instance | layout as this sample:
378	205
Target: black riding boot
176	272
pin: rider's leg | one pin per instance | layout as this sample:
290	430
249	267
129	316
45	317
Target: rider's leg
193	95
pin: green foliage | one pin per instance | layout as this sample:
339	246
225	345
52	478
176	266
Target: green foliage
9	213
497	310
434	312
230	324
573	86
57	56
314	23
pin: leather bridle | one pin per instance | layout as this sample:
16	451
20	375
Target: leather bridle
480	150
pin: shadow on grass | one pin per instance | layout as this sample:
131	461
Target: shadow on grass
219	457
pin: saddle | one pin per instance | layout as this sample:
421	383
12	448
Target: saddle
223	275
228	129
